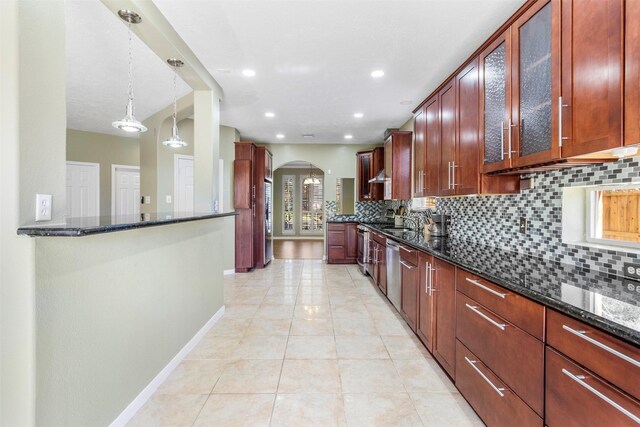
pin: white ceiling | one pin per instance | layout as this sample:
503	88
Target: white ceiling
97	71
313	59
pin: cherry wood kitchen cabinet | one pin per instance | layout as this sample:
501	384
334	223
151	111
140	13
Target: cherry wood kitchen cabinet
397	166
592	75
632	73
447	97
444	344
380	261
432	146
409	282
368	164
577	397
244	204
342	243
419	152
262	250
425	329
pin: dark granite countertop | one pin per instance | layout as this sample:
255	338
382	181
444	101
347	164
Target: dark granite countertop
608	302
75	227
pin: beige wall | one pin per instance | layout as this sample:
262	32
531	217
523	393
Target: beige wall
113	309
228	136
107	150
17	275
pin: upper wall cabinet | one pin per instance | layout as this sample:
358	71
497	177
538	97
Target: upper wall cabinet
397	166
419	156
369	163
632	74
592	79
519	75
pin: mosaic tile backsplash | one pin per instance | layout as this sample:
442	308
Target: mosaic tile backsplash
494	220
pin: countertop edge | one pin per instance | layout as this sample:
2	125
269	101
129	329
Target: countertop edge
619	331
62	231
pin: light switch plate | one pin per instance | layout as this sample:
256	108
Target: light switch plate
167	199
43	207
147	200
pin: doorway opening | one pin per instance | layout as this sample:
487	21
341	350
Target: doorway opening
298	207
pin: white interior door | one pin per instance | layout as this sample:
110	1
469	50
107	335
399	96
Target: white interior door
183	185
83	189
125	190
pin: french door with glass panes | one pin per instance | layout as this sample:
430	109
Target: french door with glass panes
288	204
311	212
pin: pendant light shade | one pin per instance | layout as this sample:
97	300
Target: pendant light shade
129	122
175	141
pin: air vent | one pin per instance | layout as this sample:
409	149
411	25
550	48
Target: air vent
307	135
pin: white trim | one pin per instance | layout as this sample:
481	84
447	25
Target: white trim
113	182
148	391
228	272
293	229
317	231
176	157
97	166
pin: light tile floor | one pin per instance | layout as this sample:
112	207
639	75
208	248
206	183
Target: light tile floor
303	343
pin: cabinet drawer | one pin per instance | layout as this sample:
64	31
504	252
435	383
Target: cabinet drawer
515	356
496	404
614	360
577	397
379	238
522	312
335	238
409	255
336	227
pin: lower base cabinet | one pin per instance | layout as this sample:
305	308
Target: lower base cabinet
444	288
342	243
494	402
577	397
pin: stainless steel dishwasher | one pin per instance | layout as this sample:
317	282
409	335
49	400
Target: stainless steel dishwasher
394	292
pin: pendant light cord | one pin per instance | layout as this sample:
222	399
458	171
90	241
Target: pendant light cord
130	62
175	94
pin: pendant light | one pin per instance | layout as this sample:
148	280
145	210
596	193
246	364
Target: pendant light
129	122
311	179
175	141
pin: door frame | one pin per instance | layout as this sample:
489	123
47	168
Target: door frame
97	167
177	157
113	182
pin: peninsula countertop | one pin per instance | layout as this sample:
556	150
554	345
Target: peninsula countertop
76	227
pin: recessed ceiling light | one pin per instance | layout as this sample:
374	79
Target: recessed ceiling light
358	115
269	114
248	73
280	136
377	73
348	137
405	102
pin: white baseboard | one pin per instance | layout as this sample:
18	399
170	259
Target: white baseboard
148	391
227	272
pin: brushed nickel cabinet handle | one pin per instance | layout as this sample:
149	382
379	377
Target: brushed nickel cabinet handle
406	264
474	308
498	390
582	334
580	380
502	140
560	107
486	288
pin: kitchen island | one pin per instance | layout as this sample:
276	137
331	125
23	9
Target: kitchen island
118	303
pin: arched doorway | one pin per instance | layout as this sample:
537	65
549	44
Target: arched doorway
298	211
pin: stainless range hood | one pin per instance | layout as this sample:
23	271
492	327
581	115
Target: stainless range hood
379	178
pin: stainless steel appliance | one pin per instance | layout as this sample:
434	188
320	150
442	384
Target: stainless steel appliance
268	222
394	292
363	248
438	225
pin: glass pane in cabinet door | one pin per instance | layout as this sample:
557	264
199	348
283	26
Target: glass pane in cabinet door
494	103
535	83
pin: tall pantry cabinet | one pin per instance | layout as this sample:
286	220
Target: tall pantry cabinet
252	200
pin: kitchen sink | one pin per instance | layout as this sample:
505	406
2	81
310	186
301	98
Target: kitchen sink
396	230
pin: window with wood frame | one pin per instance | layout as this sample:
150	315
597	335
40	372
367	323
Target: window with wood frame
613	215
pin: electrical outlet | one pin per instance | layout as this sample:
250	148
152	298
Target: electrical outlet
43	207
147	200
167	199
523	224
632	271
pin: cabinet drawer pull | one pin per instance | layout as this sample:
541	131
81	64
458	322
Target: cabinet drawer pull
406	264
579	379
409	251
473	308
486	288
484	377
582	334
